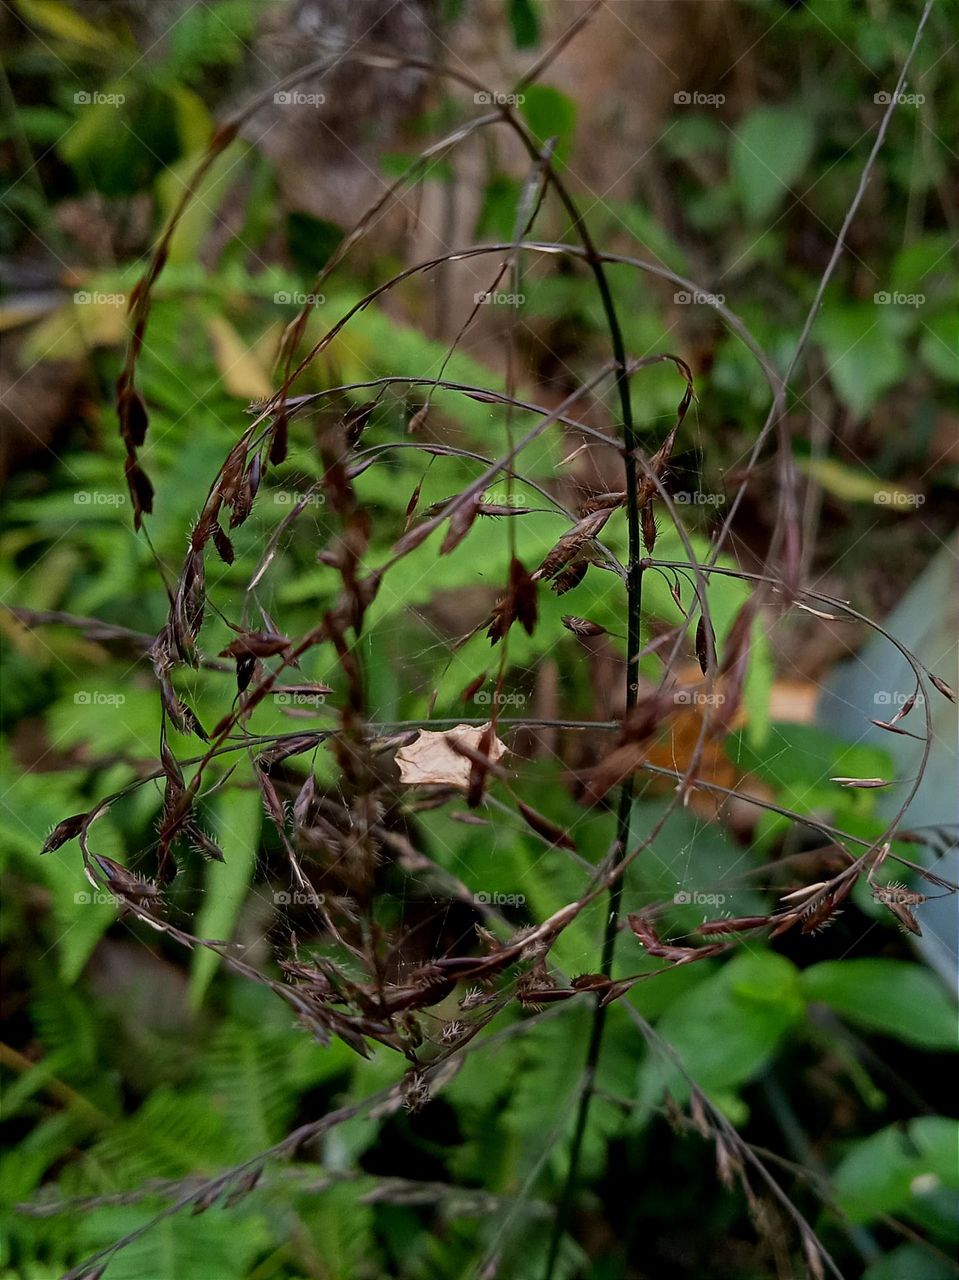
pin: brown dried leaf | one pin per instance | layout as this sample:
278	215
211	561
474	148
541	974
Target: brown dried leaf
432	761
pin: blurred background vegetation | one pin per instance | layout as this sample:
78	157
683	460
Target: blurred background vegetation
723	140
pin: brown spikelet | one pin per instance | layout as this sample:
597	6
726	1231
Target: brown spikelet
412	539
418	419
66	830
461	521
899	900
603	502
735	924
141	490
518	605
704	635
582	626
570	577
648	522
862	784
572	543
134	419
414	500
279	439
223	544
906	707
946	690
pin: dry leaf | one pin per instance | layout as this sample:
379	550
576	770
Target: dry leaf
242	373
431	761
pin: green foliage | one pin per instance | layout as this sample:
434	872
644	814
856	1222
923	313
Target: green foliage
770	152
755	998
524	20
550	114
108	1094
891	997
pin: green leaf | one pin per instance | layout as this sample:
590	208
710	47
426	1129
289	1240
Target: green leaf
912	1260
892	997
770	149
894	1167
937	345
550	114
726	1029
239	816
864	358
64	23
524	21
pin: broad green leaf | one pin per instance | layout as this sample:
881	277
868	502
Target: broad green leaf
892	997
863	357
550	114
727	1028
238	819
885	1172
770	150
